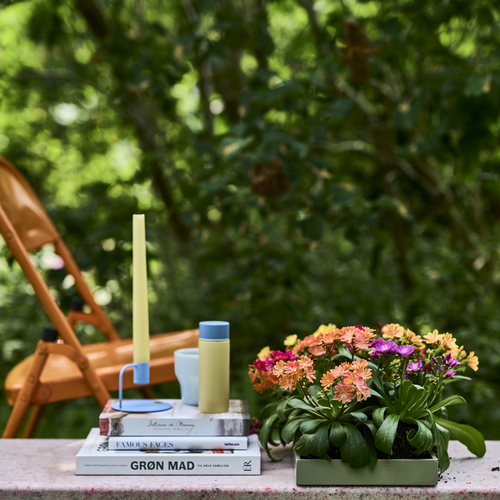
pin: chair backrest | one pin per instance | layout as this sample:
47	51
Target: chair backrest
23	209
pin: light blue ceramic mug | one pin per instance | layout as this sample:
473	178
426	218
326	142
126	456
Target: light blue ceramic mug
186	371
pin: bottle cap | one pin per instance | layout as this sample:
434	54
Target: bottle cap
214	330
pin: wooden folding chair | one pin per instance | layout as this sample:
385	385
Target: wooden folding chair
64	369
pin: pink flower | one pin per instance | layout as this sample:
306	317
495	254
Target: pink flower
317	350
344	393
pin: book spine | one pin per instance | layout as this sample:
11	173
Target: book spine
203	465
170	427
178	443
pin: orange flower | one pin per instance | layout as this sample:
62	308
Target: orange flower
305	362
292	367
359	363
344	393
260	387
415	339
448	342
392	330
253	374
279	368
328	379
346	365
331	336
348	378
288	383
348	334
364	373
311	340
310	373
338	371
432	338
299	347
362	339
472	361
271	379
317	350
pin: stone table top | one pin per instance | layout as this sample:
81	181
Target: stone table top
45	468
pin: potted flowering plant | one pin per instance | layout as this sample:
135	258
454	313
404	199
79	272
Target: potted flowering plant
363	396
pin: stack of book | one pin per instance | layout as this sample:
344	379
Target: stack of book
179	441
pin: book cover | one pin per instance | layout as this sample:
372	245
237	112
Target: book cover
180	420
96	459
178	443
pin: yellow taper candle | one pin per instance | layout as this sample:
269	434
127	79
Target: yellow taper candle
140	292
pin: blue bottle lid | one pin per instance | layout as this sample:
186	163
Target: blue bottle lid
214	330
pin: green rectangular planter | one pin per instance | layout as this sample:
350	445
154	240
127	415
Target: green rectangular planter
399	472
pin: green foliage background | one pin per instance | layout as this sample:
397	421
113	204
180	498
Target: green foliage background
300	162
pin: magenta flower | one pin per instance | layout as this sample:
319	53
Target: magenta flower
405	350
384	346
428	367
414	367
260	365
450	373
450	361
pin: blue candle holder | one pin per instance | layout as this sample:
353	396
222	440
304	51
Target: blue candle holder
141	377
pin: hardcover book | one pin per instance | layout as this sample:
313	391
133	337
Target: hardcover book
96	459
178	443
180	420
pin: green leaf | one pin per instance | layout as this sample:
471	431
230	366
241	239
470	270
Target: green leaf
371	446
302	446
378	416
280	409
355	451
265	434
319	443
442	448
288	431
386	434
313	391
403	391
337	434
301	404
359	416
371	425
466	434
421	439
382	398
452	400
310	426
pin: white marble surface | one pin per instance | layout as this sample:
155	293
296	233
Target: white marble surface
45	469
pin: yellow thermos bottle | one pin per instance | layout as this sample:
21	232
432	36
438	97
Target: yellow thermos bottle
213	386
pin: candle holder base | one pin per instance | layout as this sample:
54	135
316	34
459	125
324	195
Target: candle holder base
141	377
141	406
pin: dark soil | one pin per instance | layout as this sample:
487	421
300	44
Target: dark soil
400	449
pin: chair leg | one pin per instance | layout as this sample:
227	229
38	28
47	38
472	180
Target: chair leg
148	392
24	397
33	420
